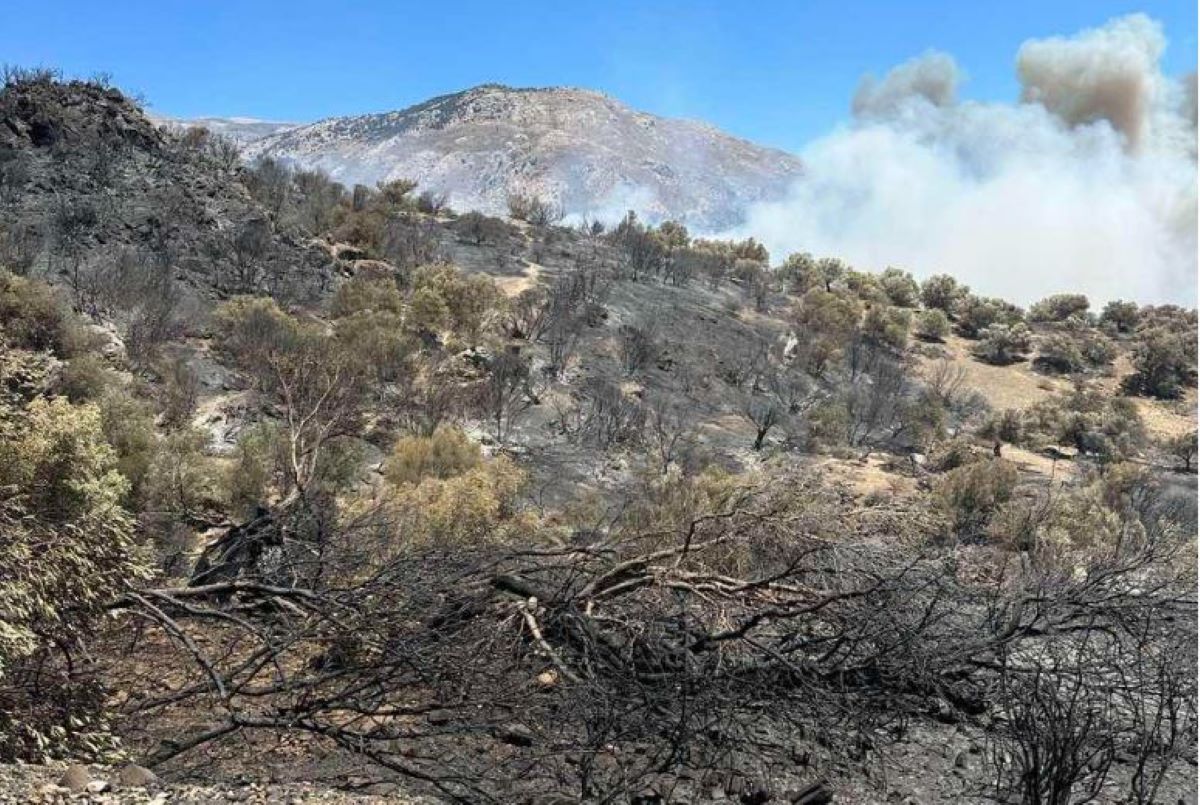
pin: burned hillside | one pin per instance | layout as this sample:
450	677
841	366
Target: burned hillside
305	483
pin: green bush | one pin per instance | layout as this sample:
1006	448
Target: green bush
1001	344
950	455
1059	353
68	550
826	322
85	377
943	292
975	314
1164	362
251	328
1059	307
1005	426
248	481
902	290
932	325
367	294
1123	316
128	425
886	326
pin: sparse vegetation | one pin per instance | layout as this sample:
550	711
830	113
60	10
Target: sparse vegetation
513	512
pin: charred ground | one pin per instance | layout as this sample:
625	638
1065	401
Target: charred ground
324	483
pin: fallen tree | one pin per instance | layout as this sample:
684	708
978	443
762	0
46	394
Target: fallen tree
781	631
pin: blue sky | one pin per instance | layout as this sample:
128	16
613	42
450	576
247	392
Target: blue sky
776	72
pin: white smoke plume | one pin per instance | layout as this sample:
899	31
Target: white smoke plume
1088	183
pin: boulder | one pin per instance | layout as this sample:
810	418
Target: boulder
135	776
75	778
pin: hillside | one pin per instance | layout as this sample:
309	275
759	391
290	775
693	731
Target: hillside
585	150
308	487
241	130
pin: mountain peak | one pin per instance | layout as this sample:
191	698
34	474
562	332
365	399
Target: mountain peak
582	148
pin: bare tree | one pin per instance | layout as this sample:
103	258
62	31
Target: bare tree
671	430
506	392
608	417
534	210
637	345
779	393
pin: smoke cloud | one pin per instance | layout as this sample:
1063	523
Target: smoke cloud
934	77
1088	183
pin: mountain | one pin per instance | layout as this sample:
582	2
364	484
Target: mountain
584	149
242	130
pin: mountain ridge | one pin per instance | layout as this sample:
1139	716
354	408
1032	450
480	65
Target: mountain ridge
583	148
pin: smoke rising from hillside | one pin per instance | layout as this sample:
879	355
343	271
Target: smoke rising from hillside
1087	184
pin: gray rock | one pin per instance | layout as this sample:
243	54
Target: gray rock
75	778
135	776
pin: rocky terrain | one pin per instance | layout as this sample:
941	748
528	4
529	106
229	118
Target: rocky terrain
328	494
585	150
133	785
241	130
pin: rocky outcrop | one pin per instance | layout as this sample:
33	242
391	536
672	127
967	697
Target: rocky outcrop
85	174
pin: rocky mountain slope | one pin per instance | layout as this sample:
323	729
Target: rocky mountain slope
242	130
586	150
92	192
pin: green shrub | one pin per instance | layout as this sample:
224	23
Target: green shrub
249	478
942	292
367	294
85	377
251	328
128	425
866	287
1005	426
975	314
950	455
1122	316
886	326
932	325
1182	448
1059	307
68	550
1059	353
377	339
1001	344
901	289
826	322
1164	362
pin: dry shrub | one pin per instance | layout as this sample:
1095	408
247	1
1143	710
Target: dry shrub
971	494
473	507
447	453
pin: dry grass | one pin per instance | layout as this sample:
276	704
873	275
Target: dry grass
1030	462
1163	418
1013	386
511	286
1019	386
869	477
